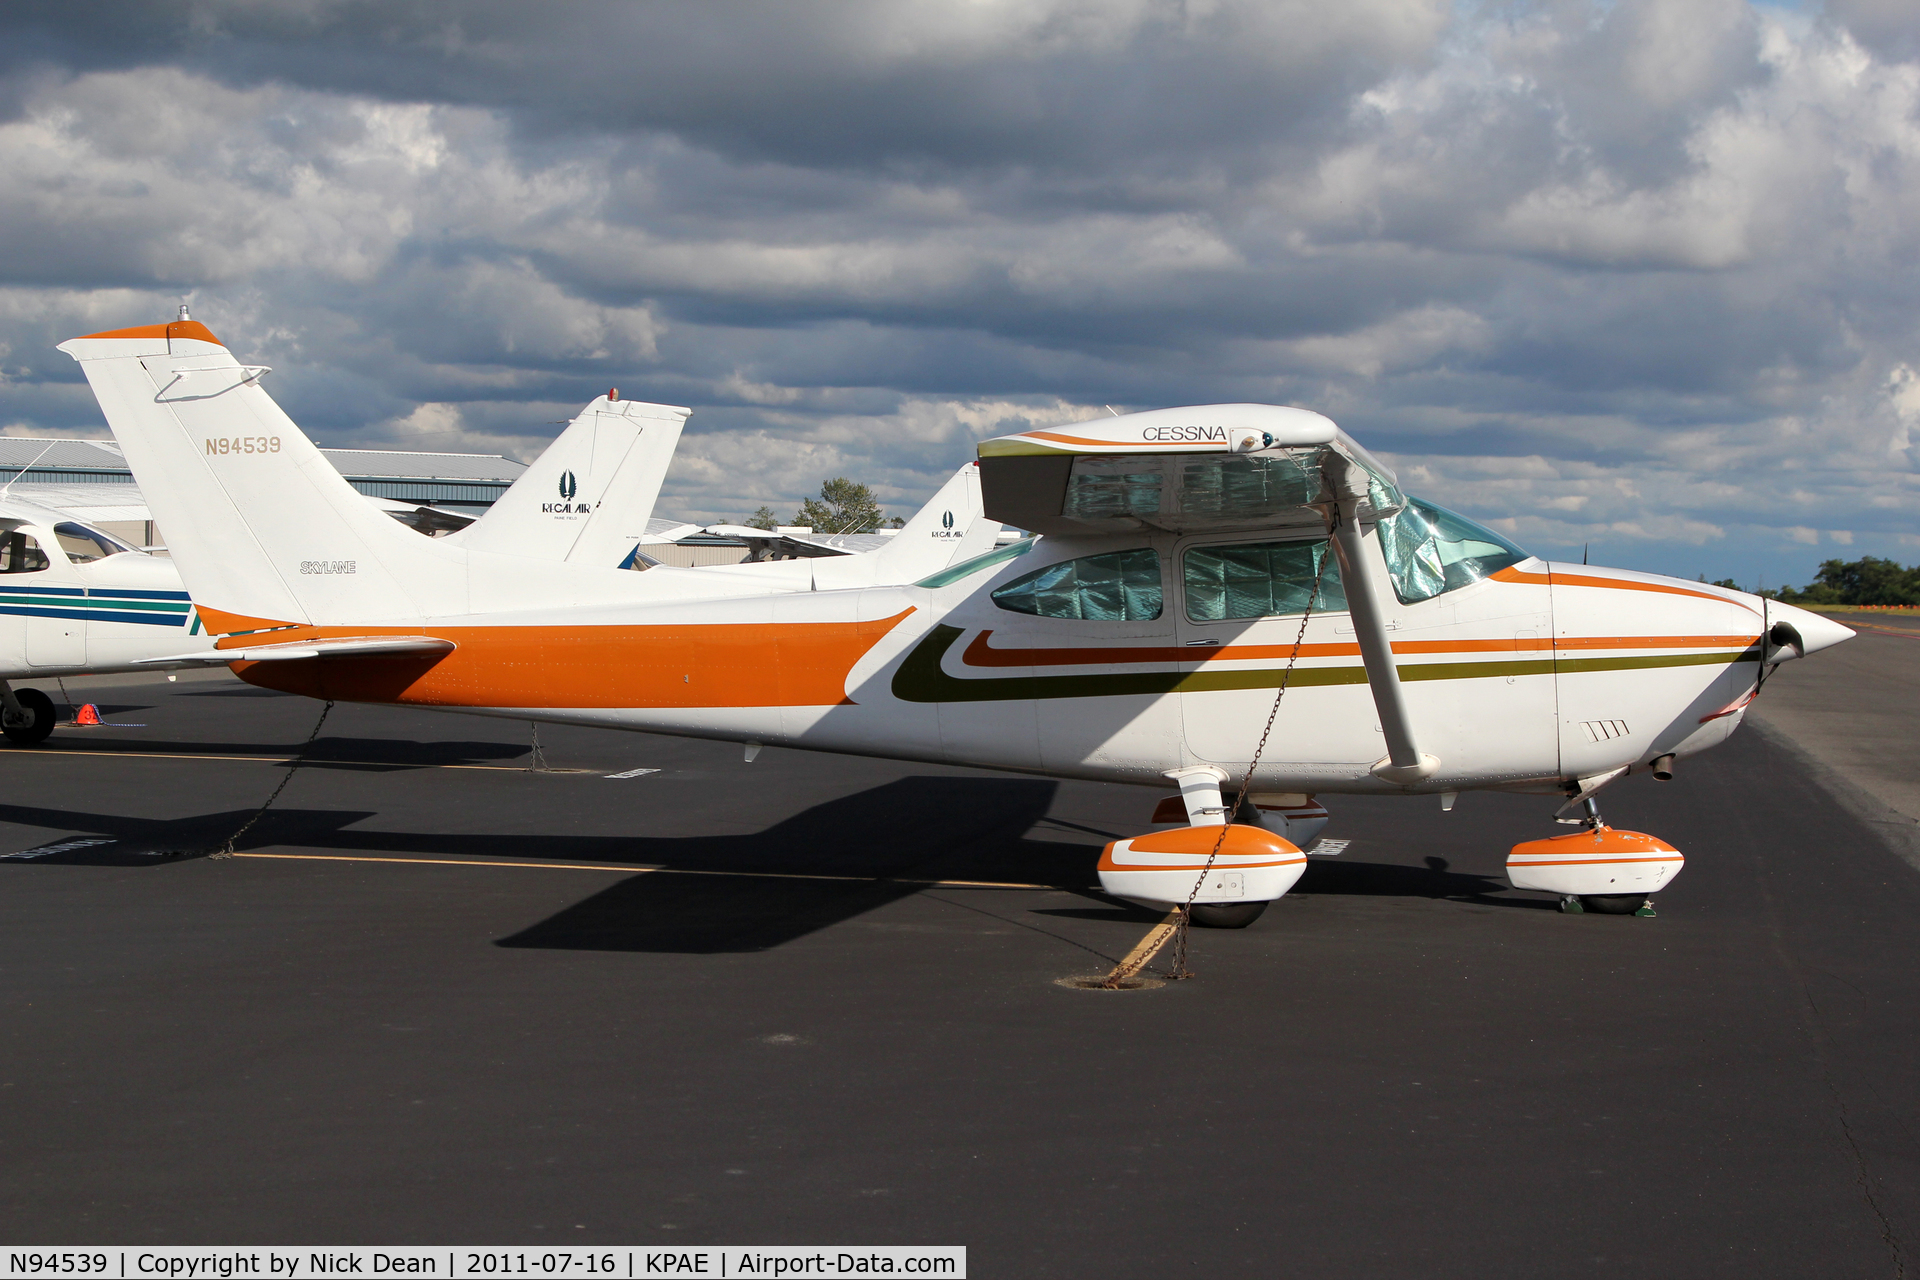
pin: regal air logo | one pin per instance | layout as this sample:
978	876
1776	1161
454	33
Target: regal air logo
569	486
946	529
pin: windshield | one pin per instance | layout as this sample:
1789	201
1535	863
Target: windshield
1430	549
84	545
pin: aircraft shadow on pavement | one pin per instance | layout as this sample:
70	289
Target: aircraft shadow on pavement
732	893
754	892
1436	879
893	837
113	840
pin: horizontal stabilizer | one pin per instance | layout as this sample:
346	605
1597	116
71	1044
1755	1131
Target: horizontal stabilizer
341	647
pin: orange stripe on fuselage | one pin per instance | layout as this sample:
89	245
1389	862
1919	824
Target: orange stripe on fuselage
221	623
980	654
1512	573
766	664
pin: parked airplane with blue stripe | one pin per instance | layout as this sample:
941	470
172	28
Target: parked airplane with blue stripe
76	601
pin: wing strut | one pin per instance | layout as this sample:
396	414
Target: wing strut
1404	762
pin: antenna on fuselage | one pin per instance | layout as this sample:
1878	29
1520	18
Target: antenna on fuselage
1109	409
1583	551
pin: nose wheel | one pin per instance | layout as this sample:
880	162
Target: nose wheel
1225	915
1596	870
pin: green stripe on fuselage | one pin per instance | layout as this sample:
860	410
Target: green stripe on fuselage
97	602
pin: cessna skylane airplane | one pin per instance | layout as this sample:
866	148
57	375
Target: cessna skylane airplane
1222	598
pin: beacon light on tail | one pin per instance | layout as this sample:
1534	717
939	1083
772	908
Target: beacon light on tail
1190	563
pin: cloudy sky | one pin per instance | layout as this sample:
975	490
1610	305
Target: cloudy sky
1641	274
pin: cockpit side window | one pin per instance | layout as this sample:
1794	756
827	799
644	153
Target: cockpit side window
1120	586
1430	549
1260	580
84	545
20	553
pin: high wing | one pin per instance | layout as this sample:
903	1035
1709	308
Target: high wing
1208	468
1221	468
772	544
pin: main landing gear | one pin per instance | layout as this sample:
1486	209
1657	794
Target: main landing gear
1597	870
1224	875
26	715
1226	915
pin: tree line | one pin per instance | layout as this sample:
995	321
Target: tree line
1868	580
844	506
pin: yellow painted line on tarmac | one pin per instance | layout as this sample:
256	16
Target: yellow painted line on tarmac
389	764
632	870
1147	948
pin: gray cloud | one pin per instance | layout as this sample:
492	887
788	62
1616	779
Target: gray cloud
1637	273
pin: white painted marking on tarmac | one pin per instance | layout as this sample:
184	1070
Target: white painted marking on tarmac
1329	848
48	850
631	773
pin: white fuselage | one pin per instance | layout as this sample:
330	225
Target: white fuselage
1541	674
94	617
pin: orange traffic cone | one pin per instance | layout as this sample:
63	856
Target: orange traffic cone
88	714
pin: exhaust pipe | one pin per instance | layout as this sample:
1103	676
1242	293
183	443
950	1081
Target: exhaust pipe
1662	767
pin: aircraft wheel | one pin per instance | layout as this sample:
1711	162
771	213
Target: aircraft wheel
1613	904
37	724
1225	915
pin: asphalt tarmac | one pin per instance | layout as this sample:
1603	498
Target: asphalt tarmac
1851	712
439	1000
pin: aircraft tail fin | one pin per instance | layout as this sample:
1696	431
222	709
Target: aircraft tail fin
587	498
264	528
951	527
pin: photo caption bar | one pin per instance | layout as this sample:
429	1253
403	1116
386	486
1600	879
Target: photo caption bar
470	1262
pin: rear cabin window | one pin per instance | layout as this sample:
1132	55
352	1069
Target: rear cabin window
1120	586
1259	580
84	545
20	553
